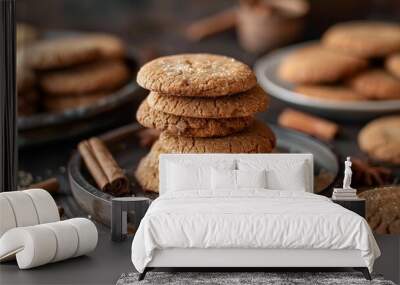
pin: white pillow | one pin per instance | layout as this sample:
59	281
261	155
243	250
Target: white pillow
223	179
281	174
251	178
182	177
227	179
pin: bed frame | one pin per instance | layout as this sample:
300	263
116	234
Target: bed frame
242	259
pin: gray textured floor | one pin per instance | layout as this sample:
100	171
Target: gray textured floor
231	278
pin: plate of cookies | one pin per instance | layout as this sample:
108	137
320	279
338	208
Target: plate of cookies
352	73
67	79
198	103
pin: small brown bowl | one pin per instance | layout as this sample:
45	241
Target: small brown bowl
267	24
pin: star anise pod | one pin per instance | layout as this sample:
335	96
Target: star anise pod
365	174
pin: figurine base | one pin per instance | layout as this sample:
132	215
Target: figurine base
344	190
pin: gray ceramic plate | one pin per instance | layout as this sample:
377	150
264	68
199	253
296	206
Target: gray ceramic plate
123	143
266	71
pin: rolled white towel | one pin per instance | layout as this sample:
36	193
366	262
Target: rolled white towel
26	208
23	208
45	205
40	244
87	235
7	218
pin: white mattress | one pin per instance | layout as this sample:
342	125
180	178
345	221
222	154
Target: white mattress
253	219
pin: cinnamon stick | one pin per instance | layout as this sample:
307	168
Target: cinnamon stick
51	185
106	172
308	124
211	25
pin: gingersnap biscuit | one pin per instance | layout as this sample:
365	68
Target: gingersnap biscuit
188	126
381	139
239	105
392	64
62	103
258	138
329	93
98	76
147	171
376	84
364	39
110	46
201	75
383	211
317	64
73	50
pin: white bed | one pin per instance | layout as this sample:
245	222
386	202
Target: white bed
249	227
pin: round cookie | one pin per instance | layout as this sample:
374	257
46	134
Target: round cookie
383	212
329	93
202	75
68	51
316	64
147	171
392	64
60	104
110	46
376	84
239	105
381	139
188	126
258	138
93	77
364	39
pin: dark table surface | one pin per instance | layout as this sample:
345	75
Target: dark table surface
155	26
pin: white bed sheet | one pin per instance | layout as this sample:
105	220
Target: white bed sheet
253	218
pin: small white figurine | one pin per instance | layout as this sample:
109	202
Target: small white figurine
347	174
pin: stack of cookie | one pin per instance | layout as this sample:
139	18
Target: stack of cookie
202	103
354	61
76	71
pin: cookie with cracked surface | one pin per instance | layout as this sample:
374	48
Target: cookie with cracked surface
239	105
329	93
68	51
60	104
381	139
316	64
147	171
392	64
98	76
376	84
364	39
383	211
258	138
188	126
198	75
